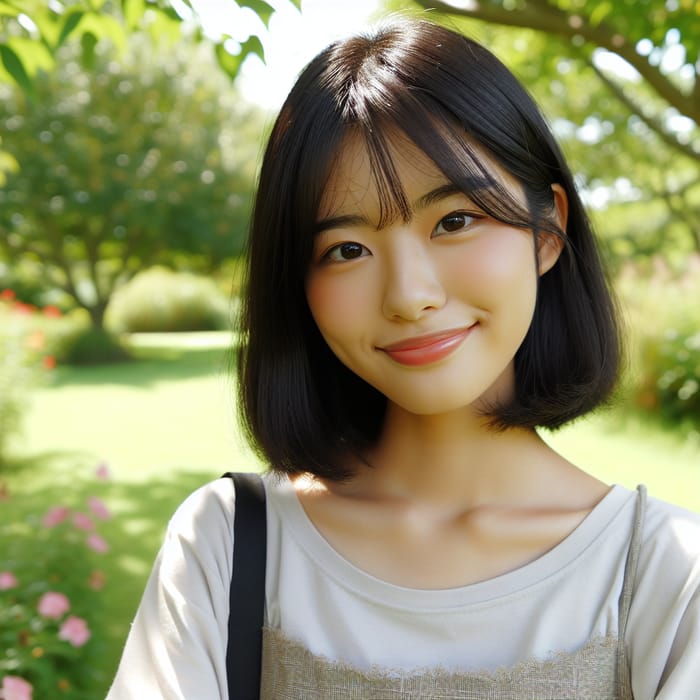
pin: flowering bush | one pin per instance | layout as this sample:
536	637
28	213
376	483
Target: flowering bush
25	357
51	580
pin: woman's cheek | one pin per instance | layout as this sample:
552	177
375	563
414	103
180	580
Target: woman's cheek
496	270
337	300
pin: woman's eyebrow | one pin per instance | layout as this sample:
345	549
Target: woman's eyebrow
435	195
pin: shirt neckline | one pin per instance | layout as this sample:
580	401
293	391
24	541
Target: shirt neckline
295	522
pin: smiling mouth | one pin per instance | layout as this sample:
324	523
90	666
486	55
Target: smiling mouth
427	349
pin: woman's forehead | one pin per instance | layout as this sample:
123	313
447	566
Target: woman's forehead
358	184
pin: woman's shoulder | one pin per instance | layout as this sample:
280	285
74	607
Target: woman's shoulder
671	539
666	519
212	503
212	506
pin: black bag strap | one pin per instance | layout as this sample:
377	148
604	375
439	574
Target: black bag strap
247	593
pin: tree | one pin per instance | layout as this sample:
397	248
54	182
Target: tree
32	31
620	81
123	166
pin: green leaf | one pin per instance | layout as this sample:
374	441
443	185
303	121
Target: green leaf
105	27
261	8
229	63
88	41
72	21
253	45
35	55
8	10
15	67
599	13
133	12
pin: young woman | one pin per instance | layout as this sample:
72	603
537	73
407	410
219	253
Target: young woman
424	291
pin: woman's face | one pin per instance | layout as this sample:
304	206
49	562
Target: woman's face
429	311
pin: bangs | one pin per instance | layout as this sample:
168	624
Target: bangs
386	121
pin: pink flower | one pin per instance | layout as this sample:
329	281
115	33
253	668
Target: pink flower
8	580
83	522
75	631
53	605
95	542
98	508
16	688
56	516
102	472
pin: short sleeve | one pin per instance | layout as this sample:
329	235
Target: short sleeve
664	630
176	648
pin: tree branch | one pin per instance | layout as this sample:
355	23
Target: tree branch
654	123
541	16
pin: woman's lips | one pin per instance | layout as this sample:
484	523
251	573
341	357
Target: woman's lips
426	349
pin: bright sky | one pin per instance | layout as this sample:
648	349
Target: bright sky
292	41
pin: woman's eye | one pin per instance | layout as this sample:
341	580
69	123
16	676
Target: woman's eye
345	251
454	222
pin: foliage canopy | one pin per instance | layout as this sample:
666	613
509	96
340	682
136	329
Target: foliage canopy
123	166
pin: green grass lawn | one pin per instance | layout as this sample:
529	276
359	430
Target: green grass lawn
166	424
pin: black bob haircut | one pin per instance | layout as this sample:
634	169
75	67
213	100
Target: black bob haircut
301	408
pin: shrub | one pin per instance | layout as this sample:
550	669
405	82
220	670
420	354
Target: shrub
160	300
51	580
664	318
92	346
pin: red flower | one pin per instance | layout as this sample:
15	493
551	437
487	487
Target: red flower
52	311
7	295
24	309
49	362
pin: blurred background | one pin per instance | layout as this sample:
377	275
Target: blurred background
130	134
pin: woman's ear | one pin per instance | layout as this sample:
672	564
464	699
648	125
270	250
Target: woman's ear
550	246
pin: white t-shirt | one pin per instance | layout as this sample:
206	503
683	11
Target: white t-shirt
177	645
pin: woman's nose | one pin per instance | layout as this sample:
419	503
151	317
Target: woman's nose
413	285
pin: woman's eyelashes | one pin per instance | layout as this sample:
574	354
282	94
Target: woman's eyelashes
343	252
456	222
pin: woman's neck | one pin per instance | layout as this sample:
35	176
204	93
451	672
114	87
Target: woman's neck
458	459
